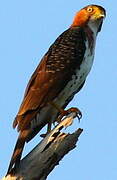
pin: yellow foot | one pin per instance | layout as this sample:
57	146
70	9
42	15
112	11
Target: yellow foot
67	112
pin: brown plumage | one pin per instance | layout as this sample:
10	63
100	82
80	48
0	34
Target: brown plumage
59	76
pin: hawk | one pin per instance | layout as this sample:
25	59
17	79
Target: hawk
59	76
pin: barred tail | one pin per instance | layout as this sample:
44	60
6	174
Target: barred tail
17	153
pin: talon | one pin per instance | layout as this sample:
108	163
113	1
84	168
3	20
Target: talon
66	112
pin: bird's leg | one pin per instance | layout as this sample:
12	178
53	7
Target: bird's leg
57	107
49	127
66	112
48	130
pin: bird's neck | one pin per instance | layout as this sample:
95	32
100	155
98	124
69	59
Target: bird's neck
94	27
91	37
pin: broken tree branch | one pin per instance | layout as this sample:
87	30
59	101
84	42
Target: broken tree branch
47	154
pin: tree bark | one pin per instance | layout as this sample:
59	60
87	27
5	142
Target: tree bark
38	164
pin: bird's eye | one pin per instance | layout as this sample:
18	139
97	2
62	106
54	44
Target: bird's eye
90	9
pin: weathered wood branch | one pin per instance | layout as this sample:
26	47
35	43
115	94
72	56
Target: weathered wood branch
46	155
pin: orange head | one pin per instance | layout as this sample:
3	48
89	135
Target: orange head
90	13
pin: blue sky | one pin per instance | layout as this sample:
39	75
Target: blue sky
27	29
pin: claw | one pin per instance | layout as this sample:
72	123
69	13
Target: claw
79	116
43	135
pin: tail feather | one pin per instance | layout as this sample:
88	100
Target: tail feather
17	153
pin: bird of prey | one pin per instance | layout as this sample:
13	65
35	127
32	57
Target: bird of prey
59	76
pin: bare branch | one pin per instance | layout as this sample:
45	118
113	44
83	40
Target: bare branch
47	154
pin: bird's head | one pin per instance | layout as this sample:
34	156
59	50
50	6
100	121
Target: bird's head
91	16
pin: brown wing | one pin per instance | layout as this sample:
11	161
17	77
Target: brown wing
52	75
